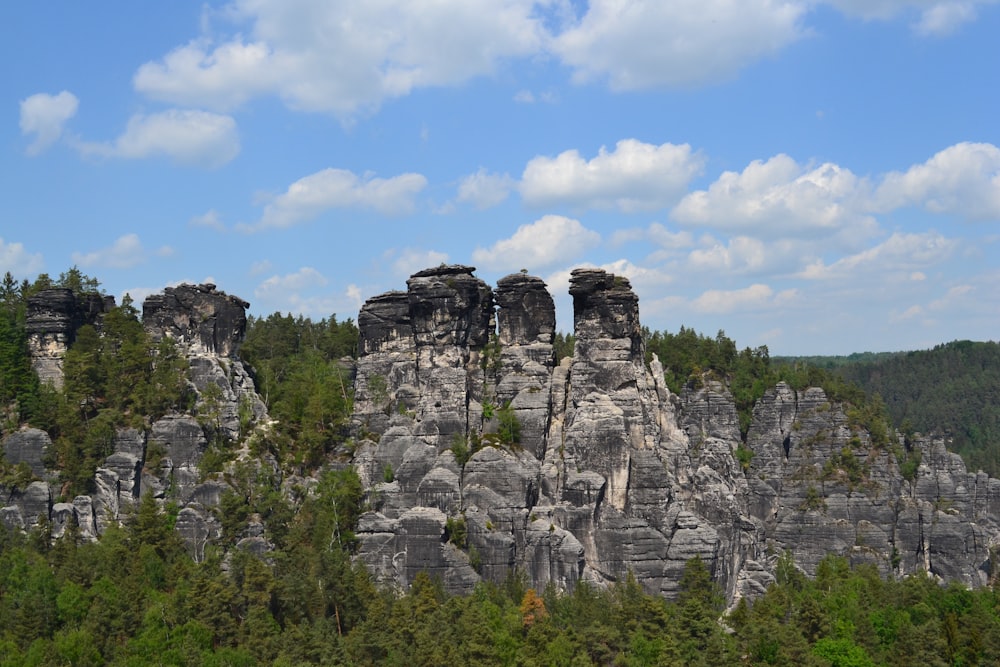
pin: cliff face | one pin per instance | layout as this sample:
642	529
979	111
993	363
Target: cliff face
482	457
53	318
207	327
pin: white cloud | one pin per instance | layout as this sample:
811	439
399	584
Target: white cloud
524	97
44	116
937	17
963	179
310	196
186	136
17	260
634	176
283	288
344	57
900	252
780	198
261	266
754	297
741	254
353	294
639	276
953	299
484	189
408	261
210	219
545	242
649	43
945	18
126	252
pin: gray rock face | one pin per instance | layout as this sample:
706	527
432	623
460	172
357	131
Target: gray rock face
52	320
199	316
208	327
29	445
607	472
184	442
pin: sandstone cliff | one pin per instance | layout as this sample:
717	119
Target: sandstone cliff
162	459
482	457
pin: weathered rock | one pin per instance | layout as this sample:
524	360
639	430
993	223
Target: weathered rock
29	445
208	327
197	528
53	317
611	473
197	316
183	441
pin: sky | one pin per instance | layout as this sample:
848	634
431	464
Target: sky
817	176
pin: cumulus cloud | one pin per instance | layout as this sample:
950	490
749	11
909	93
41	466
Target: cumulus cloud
648	44
348	57
936	17
44	116
945	18
899	253
741	254
310	196
781	198
126	252
210	219
639	276
754	297
17	260
187	137
344	57
285	287
408	261
963	179
634	176
547	241
484	189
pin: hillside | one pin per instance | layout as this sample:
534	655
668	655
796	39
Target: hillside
953	388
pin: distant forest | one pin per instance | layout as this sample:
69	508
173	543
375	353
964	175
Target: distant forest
953	389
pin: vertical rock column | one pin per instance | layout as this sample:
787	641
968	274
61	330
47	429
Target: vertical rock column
452	316
526	321
611	392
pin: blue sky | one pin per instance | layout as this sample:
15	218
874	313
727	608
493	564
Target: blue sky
817	176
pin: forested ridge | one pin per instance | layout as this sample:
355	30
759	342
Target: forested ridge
953	388
138	597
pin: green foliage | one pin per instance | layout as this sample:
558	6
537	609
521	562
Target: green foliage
297	371
456	531
509	429
744	455
908	467
951	388
563	345
114	378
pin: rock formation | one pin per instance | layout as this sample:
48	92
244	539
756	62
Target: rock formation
54	315
207	327
481	457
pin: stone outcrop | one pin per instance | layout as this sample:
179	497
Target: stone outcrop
53	317
162	459
208	325
481	456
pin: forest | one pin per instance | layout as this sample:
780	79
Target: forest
137	596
